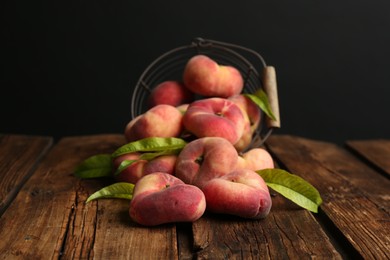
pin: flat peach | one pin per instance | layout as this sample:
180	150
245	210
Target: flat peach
214	117
160	198
204	76
204	159
241	193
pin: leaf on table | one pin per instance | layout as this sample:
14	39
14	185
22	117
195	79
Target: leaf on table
95	166
119	190
293	188
151	144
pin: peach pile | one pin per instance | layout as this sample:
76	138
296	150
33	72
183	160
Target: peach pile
215	171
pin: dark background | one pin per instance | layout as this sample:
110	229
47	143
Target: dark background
68	67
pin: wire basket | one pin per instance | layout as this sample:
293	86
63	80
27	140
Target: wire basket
170	66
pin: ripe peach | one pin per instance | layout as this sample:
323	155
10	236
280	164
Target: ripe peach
133	172
164	163
250	110
252	117
202	75
170	92
204	159
140	168
214	117
241	193
159	121
160	198
245	139
255	159
131	124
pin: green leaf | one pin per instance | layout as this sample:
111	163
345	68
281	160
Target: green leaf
119	190
145	156
260	98
95	166
293	188
123	165
151	144
151	156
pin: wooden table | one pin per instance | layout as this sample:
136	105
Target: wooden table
44	215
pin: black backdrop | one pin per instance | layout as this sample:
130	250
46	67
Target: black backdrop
68	67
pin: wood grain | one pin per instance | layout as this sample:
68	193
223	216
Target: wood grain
45	214
19	156
356	198
377	152
49	217
288	232
117	237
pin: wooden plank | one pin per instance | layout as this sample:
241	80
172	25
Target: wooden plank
185	241
49	219
129	240
288	232
356	198
19	156
375	151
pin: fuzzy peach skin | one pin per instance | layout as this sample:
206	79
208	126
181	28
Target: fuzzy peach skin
202	75
250	110
245	139
241	193
133	172
140	168
215	117
255	159
159	121
160	198
204	159
170	92
252	116
130	125
164	163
